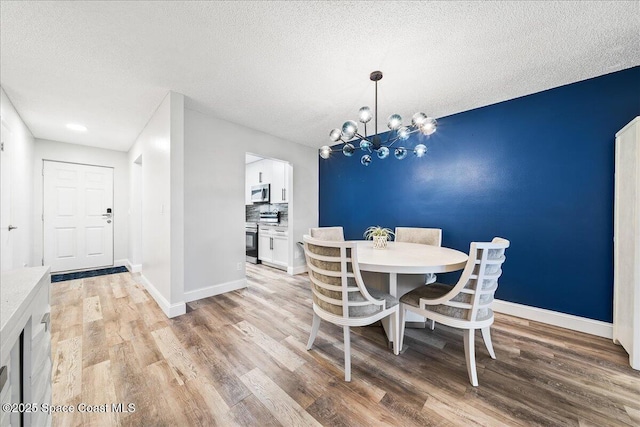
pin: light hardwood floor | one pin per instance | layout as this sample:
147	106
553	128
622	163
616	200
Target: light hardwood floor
240	359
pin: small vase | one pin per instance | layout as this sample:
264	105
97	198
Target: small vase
379	242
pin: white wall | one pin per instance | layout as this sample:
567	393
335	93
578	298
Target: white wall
74	153
22	146
159	147
214	199
177	197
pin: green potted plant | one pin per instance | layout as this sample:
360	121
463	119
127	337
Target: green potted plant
379	235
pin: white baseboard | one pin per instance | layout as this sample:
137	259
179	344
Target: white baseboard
563	320
121	263
210	291
133	268
296	270
170	310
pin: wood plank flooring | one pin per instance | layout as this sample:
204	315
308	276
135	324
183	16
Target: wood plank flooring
240	359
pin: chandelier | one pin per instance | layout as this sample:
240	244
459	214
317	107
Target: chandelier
420	122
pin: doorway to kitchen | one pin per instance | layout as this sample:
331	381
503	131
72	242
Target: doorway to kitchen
267	211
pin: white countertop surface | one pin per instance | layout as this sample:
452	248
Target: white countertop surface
17	288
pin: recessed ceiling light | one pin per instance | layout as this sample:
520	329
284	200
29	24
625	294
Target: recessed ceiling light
76	127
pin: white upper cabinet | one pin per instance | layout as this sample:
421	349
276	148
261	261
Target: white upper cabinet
280	182
257	173
272	172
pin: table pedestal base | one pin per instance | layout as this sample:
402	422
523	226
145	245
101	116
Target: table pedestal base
397	285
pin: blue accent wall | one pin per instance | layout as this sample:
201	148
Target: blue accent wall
537	170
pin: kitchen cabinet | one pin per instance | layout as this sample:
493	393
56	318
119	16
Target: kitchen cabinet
260	172
256	173
25	347
280	251
273	247
268	171
279	182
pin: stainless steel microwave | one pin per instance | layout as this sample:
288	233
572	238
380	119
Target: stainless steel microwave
260	193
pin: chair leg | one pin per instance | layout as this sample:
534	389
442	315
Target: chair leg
433	324
470	355
315	325
486	337
402	314
395	320
347	354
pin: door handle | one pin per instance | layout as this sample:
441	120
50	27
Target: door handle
283	194
11	227
107	215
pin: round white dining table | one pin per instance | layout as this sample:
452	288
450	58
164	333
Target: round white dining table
408	258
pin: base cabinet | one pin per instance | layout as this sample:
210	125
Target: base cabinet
273	247
25	350
626	247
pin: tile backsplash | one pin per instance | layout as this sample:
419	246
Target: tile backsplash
253	211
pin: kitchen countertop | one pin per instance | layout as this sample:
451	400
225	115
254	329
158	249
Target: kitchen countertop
17	289
274	226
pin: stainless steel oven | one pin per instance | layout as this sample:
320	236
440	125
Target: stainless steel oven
251	231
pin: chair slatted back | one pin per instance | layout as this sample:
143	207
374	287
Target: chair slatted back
335	279
478	282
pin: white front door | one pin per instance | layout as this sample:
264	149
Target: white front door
6	244
78	216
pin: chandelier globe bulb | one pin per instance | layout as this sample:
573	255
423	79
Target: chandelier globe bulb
420	150
429	126
335	135
349	129
394	121
325	151
365	115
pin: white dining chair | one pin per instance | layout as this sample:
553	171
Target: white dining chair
327	233
340	295
424	236
466	305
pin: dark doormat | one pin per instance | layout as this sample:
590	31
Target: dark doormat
85	274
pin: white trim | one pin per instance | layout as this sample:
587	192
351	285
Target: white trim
556	318
292	271
133	268
170	310
218	289
121	263
272	265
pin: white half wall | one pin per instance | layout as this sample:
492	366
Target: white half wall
74	153
22	147
156	167
214	198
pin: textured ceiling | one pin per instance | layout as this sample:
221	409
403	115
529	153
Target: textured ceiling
294	69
